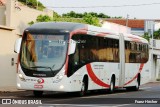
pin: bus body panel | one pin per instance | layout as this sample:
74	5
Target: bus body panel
48	84
99	73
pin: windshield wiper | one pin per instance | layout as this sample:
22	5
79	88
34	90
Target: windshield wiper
53	66
42	67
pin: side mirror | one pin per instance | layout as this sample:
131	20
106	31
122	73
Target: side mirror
17	45
72	47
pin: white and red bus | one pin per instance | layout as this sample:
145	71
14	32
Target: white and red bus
74	57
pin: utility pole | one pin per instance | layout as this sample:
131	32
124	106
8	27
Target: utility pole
127	22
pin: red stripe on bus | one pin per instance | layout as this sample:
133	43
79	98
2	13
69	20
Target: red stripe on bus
94	77
140	69
135	39
102	34
79	31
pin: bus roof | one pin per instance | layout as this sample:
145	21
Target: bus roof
135	38
67	26
63	26
50	27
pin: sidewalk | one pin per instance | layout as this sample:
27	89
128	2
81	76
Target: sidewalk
9	89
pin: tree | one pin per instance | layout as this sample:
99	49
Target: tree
31	23
156	34
33	4
56	16
101	15
41	18
73	14
146	36
89	19
118	17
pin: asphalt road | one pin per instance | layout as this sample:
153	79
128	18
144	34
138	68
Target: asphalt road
147	96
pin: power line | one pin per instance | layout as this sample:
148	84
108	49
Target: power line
128	5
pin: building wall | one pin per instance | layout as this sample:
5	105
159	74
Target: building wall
138	32
149	26
156	59
156	44
20	17
2	15
116	27
24	16
7	71
11	17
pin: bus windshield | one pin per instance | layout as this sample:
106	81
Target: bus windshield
41	52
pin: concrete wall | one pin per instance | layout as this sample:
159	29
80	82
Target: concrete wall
24	16
116	27
11	17
137	32
2	15
156	43
7	71
20	17
155	59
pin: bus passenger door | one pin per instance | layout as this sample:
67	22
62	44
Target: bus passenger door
122	60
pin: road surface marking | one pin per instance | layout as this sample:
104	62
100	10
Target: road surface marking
145	87
87	105
121	105
102	95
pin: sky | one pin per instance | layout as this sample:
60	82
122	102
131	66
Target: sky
139	12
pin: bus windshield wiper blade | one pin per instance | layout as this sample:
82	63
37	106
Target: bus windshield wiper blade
42	67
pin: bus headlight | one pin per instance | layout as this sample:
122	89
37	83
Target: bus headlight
21	77
59	77
19	85
61	87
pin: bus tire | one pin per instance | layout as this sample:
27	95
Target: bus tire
84	87
112	85
38	93
136	87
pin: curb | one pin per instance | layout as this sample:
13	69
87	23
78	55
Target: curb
9	89
12	91
1	92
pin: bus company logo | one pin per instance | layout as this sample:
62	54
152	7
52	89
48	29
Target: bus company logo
38	86
31	80
40	81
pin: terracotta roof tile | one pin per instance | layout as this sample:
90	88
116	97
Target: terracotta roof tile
2	2
133	23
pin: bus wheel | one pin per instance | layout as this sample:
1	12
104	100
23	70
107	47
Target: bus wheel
38	93
83	89
136	87
112	85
